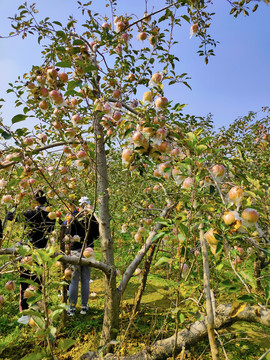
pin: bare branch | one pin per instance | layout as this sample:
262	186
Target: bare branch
73	260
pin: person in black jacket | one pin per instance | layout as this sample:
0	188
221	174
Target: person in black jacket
81	226
37	228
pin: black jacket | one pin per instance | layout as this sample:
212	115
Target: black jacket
38	226
79	225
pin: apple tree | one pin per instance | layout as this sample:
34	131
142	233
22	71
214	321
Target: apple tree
103	127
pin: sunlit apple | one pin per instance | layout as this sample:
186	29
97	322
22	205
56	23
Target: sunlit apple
147	97
194	29
161	102
250	217
236	195
10	285
230	217
142	36
218	172
188	183
88	252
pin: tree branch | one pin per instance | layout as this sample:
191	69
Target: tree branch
193	333
149	241
67	259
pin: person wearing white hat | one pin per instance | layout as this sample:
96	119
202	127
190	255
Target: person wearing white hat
78	226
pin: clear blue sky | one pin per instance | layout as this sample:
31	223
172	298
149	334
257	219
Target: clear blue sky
234	82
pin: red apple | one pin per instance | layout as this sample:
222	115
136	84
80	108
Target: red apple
28	141
229	217
161	102
188	183
250	216
142	36
43	105
236	194
194	29
68	273
7	199
88	252
44	92
10	285
42	138
218	171
156	78
116	94
63	77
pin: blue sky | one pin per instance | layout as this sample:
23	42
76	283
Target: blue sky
234	82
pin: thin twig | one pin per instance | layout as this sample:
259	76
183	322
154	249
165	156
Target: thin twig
263	355
239	277
10	262
221	344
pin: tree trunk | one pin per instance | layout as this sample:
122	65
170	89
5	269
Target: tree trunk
112	295
63	267
146	270
258	266
193	333
208	299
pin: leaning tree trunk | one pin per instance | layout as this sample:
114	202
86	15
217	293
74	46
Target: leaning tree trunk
146	270
112	294
226	315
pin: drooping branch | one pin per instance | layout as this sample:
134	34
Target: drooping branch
192	334
67	259
40	149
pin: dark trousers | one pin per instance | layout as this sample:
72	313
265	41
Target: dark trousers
25	274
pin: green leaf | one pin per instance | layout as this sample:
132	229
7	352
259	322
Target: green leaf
5	135
159	235
183	229
200	149
33	356
65	344
57	23
18	118
78	42
181	318
61	34
163	260
219	266
192	137
43	255
90	68
72	85
245	298
249	278
185	17
64	64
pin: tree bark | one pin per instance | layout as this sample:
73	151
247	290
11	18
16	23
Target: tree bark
63	267
208	298
112	294
146	270
192	334
66	259
258	266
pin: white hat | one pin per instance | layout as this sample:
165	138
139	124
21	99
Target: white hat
84	200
